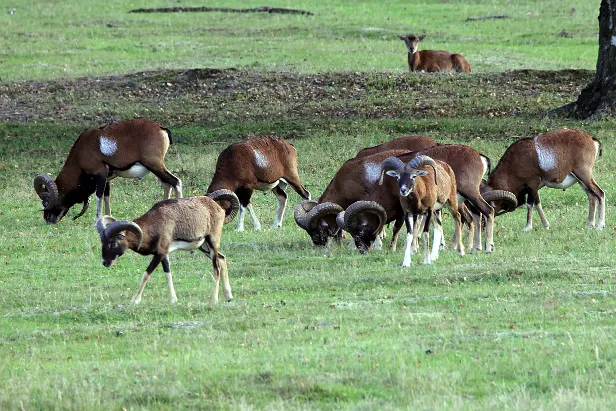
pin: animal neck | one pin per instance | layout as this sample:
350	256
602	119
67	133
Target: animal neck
133	242
414	60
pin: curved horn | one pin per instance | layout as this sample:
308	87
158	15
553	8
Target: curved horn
102	223
508	199
352	213
390	163
319	211
227	195
420	161
46	189
340	220
300	211
83	209
117	226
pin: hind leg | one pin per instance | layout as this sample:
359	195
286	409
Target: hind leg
281	196
167	180
219	266
595	195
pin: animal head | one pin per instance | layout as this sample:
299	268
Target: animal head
55	205
502	201
407	174
113	237
411	41
319	220
364	220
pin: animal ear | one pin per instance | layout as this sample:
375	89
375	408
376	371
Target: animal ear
324	224
391	173
422	173
423	36
401	37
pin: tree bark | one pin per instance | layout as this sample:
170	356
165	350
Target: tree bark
598	98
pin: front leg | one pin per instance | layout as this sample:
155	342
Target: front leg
425	237
408	245
172	297
101	182
107	203
146	276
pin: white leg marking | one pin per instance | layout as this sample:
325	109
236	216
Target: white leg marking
144	279
408	250
436	241
226	286
544	220
282	205
172	297
255	221
426	242
378	243
107	205
98	207
240	219
178	189
529	218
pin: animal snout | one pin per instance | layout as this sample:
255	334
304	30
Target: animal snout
107	263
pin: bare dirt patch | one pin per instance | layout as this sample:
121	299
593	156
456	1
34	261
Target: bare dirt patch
211	96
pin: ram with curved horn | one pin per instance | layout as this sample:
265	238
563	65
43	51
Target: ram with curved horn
422	194
129	149
555	159
189	223
355	182
469	166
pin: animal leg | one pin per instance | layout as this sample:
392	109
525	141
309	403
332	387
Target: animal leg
166	178
253	216
436	237
396	232
544	221
595	194
146	276
529	218
226	286
219	266
419	226
281	196
107	204
408	245
172	297
426	238
101	183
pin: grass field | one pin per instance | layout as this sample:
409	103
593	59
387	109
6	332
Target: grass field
530	326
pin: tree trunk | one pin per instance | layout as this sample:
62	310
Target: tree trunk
598	99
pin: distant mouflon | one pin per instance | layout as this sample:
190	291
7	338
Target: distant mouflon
432	60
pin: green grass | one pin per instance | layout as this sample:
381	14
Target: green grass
57	39
529	326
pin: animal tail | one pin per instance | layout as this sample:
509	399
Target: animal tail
169	134
600	145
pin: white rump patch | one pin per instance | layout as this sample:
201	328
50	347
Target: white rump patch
545	154
372	172
613	39
260	160
484	161
108	146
